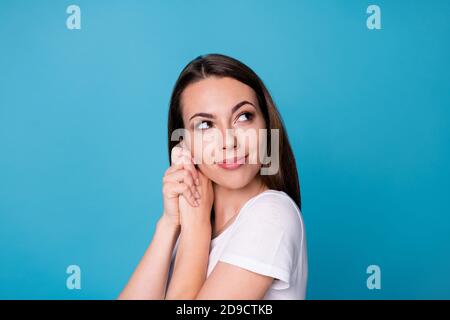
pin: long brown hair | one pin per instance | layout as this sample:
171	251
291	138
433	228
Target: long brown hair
286	179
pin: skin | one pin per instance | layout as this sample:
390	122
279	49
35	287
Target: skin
190	191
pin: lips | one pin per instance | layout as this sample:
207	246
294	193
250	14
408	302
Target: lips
232	163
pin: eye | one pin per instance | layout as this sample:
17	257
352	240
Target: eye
246	116
203	125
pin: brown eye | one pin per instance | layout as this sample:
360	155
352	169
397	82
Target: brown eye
203	125
245	116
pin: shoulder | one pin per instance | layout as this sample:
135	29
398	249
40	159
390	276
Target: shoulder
268	236
275	207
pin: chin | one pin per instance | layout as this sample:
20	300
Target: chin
231	179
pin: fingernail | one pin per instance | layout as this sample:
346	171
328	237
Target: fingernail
197	203
197	194
197	182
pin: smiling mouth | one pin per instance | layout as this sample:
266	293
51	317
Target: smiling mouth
232	163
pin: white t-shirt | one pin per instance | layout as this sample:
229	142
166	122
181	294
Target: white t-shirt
267	237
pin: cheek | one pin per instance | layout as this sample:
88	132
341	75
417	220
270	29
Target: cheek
202	148
252	141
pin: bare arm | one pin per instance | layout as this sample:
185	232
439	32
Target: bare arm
149	280
230	282
191	263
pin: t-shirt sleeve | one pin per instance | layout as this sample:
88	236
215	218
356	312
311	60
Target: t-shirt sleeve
266	239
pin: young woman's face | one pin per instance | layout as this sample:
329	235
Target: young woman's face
223	118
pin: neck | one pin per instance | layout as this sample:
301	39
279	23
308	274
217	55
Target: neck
228	202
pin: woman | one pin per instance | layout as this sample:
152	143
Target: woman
228	231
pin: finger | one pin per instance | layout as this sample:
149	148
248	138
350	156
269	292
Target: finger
187	178
187	194
173	168
179	150
190	199
183	176
181	154
189	165
180	167
175	153
175	189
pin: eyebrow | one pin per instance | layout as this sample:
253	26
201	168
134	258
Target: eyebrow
233	110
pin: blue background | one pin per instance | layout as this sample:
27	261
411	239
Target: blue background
83	135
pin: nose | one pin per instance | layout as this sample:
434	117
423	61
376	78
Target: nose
230	139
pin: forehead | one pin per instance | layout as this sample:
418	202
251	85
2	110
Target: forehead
215	95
